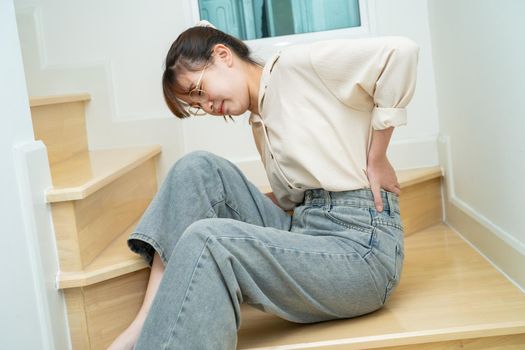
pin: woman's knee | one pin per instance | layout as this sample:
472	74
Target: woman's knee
193	163
204	229
201	230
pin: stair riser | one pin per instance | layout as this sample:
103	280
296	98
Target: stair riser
420	206
85	227
62	128
99	313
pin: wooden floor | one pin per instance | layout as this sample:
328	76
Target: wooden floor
447	291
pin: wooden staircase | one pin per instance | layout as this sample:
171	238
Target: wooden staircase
96	200
449	296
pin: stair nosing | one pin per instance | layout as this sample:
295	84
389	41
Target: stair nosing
415	337
68	280
89	276
431	173
54	195
37	101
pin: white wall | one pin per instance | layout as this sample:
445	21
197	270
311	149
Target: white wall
479	56
115	51
32	311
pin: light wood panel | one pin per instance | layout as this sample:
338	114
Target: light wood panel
409	177
116	260
421	205
99	313
66	233
111	306
85	228
76	314
62	128
504	342
36	101
447	292
87	172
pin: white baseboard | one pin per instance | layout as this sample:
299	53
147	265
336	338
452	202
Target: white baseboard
499	247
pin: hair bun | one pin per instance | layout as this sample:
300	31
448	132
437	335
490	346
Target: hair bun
204	23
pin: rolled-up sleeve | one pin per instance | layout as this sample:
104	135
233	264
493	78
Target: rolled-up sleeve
377	74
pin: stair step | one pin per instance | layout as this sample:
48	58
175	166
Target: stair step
114	261
447	292
83	174
420	200
60	122
410	177
36	101
97	195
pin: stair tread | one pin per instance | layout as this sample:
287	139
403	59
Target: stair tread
86	172
35	101
116	260
447	291
409	177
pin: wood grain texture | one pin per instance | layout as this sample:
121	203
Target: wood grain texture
84	228
87	172
62	128
504	342
114	261
409	177
76	314
111	306
421	205
66	233
36	101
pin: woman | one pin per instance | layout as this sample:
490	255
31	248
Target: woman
322	116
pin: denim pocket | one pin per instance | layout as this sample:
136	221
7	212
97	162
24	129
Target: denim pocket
384	218
354	226
354	218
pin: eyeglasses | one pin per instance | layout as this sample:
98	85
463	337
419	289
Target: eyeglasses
198	97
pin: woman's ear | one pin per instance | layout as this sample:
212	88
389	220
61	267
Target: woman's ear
223	53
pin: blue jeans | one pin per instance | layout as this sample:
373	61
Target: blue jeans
224	243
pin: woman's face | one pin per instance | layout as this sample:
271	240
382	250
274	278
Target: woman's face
224	82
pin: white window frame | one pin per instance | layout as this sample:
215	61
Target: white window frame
265	47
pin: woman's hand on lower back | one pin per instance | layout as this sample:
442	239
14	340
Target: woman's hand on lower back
381	174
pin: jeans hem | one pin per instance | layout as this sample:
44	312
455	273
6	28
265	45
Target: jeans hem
145	246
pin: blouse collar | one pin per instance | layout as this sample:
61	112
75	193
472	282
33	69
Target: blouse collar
265	77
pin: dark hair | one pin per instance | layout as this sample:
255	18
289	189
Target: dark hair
190	52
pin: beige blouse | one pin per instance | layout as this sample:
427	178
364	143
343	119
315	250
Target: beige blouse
319	104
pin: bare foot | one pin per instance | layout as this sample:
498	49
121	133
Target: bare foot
128	338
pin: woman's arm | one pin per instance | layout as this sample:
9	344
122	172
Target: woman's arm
379	171
377	75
